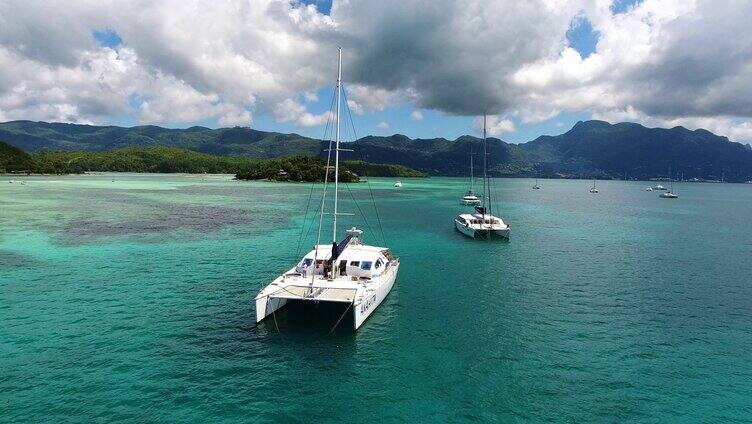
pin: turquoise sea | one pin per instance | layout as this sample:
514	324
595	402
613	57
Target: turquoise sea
130	298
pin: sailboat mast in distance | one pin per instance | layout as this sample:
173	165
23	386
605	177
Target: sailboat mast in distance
472	185
486	181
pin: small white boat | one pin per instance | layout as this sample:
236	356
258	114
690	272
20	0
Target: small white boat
649	189
482	224
536	186
470	199
347	272
23	182
593	189
398	184
658	187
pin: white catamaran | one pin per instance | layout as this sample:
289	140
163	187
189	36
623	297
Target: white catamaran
482	223
346	272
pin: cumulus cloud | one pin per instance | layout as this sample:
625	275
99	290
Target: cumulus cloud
382	125
659	61
290	110
416	115
495	125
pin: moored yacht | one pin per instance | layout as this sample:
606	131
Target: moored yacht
669	194
658	187
346	272
398	184
470	198
349	272
482	223
593	189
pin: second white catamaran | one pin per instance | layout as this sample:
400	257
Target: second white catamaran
482	223
347	272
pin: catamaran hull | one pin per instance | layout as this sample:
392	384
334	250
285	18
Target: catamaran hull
363	309
502	233
268	305
481	233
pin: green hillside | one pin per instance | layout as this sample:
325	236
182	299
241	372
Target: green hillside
591	149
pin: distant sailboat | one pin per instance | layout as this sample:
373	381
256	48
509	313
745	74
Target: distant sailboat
669	194
398	184
536	186
470	198
593	189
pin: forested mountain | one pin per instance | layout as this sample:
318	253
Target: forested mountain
589	149
238	141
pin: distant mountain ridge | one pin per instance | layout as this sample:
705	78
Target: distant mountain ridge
238	141
590	149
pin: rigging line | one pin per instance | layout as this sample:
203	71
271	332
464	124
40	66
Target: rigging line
313	184
275	323
310	225
305	219
321	209
368	180
368	224
340	319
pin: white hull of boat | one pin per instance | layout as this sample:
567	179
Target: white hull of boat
470	202
364	299
372	300
481	232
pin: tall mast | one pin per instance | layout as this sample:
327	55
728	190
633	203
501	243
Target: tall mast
472	180
486	181
336	148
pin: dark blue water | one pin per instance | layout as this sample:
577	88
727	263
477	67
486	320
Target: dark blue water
133	300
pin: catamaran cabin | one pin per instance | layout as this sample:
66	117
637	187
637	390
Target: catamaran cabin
477	219
356	261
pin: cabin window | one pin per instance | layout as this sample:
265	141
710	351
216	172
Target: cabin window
378	264
366	265
355	263
307	262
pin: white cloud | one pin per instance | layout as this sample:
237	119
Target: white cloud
290	110
495	125
416	115
382	125
661	61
